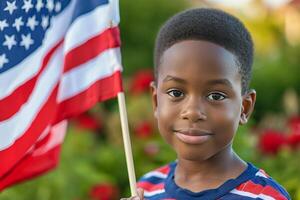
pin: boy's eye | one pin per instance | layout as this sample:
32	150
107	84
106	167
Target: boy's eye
216	96
175	93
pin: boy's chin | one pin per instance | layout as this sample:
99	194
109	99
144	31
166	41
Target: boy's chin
193	156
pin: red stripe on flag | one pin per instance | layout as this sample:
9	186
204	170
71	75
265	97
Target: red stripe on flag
38	165
110	38
13	154
101	90
150	187
12	103
257	189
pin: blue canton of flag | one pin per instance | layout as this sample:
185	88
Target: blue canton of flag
23	24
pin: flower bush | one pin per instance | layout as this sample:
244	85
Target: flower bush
141	81
88	121
271	141
104	191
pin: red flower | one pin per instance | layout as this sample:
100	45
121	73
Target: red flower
144	129
88	121
104	191
294	124
141	81
271	141
294	140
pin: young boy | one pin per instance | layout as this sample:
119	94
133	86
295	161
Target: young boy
203	60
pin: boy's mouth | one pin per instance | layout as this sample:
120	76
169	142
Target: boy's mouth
193	136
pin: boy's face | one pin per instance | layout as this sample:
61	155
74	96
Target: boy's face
197	101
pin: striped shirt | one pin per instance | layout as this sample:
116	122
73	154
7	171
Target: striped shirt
253	183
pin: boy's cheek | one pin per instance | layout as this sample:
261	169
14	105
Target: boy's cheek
226	118
166	111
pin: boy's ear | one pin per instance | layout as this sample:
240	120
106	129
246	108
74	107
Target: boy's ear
153	90
247	106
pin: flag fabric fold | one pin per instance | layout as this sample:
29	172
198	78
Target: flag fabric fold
57	59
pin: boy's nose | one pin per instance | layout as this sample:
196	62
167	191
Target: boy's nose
193	111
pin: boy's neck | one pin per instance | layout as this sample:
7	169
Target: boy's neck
209	174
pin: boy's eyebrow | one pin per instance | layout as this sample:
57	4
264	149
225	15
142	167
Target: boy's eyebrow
210	82
173	78
220	81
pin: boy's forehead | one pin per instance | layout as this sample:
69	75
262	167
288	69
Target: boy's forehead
211	57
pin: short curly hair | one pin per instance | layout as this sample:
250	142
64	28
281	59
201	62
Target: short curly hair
211	25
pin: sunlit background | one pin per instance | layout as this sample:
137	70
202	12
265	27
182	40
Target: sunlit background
93	164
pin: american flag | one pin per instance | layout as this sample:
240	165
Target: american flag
57	59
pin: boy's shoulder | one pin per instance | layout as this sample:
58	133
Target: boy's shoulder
153	182
157	175
261	186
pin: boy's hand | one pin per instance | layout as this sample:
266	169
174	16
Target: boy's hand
140	195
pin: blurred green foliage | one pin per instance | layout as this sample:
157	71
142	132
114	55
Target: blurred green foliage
276	62
140	22
273	75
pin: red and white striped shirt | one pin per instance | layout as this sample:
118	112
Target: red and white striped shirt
252	184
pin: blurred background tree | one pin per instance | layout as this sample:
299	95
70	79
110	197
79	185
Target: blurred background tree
140	22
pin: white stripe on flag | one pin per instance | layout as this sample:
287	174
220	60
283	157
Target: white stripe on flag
89	25
21	121
42	136
57	135
80	78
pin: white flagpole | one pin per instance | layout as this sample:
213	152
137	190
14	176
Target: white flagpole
115	19
127	144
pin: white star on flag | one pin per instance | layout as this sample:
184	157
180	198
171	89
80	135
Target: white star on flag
50	5
27	5
32	22
3	60
18	23
39	5
9	41
26	41
10	7
3	24
45	21
57	6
